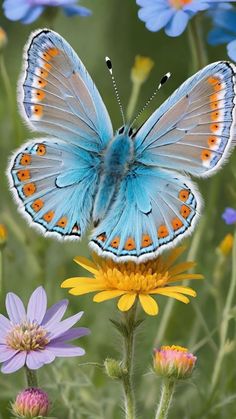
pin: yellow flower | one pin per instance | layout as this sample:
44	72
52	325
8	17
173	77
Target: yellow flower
141	69
226	245
130	281
3	235
3	38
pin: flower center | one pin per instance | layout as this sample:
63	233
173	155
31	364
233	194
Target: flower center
27	337
179	4
131	277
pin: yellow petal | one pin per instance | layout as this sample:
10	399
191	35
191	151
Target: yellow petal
175	254
149	304
107	295
73	282
182	277
180	289
126	301
181	267
86	263
85	289
177	296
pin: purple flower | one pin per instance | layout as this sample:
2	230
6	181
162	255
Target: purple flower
37	336
224	30
30	403
229	215
171	15
27	11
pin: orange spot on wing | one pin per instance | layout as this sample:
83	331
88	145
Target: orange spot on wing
215	116
23	175
37	205
53	52
47	66
43	73
41	150
25	159
214	127
218	87
183	195
205	154
115	242
48	216
146	240
213	80
214	97
40	94
29	189
38	110
41	82
176	223
130	244
212	140
185	211
102	237
62	222
162	232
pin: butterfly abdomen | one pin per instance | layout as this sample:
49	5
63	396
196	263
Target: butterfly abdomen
116	163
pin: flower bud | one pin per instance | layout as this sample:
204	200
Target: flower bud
3	38
113	369
141	69
31	403
226	245
3	234
174	362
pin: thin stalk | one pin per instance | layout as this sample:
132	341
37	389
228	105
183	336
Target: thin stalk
1	272
31	377
225	322
127	379
133	100
197	44
167	391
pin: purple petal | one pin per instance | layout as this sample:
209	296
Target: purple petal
229	215
15	308
158	22
55	313
5	324
178	24
6	353
36	359
65	350
72	334
37	305
15	363
77	10
62	327
16	10
231	49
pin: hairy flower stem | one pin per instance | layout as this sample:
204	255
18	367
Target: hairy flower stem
31	377
197	45
167	392
225	323
127	363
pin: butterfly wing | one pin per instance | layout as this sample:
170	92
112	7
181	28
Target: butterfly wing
54	184
54	180
194	130
153	208
57	95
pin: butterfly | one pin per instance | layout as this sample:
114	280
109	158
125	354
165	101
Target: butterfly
133	187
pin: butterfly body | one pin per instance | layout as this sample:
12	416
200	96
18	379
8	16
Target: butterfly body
134	189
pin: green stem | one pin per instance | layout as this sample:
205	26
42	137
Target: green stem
225	323
127	379
133	100
197	45
31	377
167	392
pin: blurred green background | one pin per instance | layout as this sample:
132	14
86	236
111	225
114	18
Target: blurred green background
84	391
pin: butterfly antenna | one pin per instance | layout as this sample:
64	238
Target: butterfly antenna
109	66
164	79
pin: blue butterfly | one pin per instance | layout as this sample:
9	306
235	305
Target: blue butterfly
133	187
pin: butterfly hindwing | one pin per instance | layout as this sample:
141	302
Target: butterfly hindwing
54	183
194	130
153	208
57	95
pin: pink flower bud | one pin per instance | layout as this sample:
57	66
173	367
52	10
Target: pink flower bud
174	362
31	403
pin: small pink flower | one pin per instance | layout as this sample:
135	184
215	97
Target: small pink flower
174	362
31	403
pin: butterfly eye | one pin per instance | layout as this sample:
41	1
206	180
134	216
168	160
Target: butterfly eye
130	132
121	130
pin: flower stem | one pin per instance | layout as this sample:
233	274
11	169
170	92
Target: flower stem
197	45
129	335
133	100
225	323
31	377
167	392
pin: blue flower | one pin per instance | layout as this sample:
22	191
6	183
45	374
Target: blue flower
172	15
28	11
224	31
229	216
